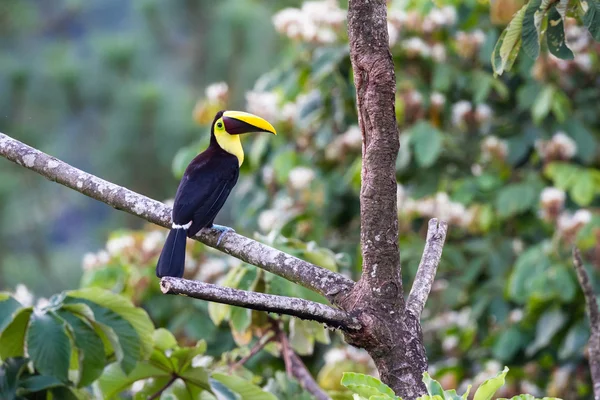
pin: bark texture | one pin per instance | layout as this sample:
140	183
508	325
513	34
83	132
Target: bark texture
300	308
390	334
593	310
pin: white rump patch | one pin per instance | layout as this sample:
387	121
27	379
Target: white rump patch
186	226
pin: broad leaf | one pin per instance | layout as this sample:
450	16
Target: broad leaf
547	326
509	43
244	389
92	359
427	141
10	372
37	383
48	345
515	199
490	386
113	381
8	309
531	31
366	386
591	19
12	339
136	316
555	36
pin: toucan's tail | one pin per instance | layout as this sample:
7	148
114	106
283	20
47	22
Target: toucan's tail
172	258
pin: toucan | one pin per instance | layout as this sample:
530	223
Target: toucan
206	184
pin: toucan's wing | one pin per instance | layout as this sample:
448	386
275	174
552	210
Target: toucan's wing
205	186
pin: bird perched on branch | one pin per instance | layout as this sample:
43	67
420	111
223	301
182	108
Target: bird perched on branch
206	184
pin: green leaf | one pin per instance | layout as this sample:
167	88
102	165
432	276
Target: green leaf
490	386
163	339
531	263
283	163
136	316
433	386
8	309
10	372
531	32
563	175
586	143
12	339
113	381
543	104
515	199
184	356
243	388
37	383
583	189
509	43
92	359
555	36
591	18
120	333
508	343
196	376
547	326
427	141
574	342
48	345
129	329
365	385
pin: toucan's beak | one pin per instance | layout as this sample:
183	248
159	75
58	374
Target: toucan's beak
237	122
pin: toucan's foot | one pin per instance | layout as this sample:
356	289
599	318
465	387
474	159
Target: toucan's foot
223	230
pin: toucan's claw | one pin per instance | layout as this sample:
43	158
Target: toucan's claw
223	230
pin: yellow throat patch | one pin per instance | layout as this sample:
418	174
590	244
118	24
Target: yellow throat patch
230	143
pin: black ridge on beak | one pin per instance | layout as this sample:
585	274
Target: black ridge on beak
235	126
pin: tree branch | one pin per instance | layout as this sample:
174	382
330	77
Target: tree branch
321	280
375	96
300	308
296	368
594	315
436	235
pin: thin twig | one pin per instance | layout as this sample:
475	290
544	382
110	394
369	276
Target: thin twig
328	283
436	236
164	387
295	367
258	346
594	315
300	308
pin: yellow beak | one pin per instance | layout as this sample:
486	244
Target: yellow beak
237	122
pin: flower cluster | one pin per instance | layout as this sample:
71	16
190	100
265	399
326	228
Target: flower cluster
560	148
469	43
351	140
569	224
271	107
464	116
436	20
316	22
493	148
438	206
552	202
217	92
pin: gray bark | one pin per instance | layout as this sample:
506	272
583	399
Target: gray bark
300	308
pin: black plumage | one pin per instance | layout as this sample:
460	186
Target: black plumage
205	186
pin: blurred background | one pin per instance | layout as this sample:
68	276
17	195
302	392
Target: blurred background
125	90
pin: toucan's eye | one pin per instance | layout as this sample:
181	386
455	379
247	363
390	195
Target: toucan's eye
219	125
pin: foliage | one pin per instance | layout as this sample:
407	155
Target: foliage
367	387
510	162
543	18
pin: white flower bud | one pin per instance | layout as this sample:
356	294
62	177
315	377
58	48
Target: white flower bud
300	178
